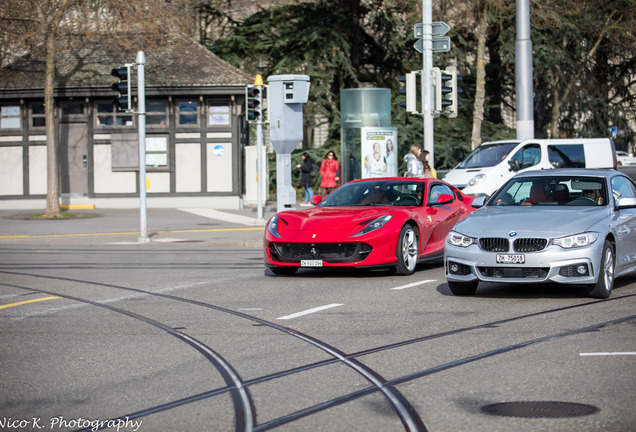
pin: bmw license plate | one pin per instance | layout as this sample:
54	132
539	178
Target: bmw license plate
511	259
311	263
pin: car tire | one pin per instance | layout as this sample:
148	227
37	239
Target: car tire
407	251
282	271
463	288
603	287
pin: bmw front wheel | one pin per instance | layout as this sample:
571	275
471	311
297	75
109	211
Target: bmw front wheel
407	251
603	287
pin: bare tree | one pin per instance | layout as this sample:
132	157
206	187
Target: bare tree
52	25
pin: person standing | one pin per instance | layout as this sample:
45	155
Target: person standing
329	172
425	157
305	177
414	167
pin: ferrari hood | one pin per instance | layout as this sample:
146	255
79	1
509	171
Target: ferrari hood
525	221
331	218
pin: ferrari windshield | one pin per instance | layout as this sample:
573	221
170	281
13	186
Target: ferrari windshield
373	193
487	155
552	191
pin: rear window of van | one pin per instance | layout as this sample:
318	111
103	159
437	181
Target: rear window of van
567	156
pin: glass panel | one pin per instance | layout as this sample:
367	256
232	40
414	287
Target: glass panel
105	120
156	159
156	106
188	106
156	120
188	119
105	107
38	122
37	108
10	111
156	144
10	122
124	121
72	109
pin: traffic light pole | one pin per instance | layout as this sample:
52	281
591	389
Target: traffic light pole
427	66
141	123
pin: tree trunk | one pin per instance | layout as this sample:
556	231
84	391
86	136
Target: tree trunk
52	189
480	90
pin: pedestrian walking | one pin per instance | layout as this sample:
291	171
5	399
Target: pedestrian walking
329	168
414	167
306	179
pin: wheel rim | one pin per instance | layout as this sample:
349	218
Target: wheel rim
608	269
409	249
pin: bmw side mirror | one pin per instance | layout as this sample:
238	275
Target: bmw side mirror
479	201
626	203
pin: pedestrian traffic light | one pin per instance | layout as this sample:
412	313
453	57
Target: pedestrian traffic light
254	103
410	90
445	91
124	100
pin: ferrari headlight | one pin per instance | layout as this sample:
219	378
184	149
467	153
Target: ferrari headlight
272	226
457	239
374	225
577	240
476	179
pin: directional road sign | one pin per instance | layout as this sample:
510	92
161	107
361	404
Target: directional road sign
440	44
440	28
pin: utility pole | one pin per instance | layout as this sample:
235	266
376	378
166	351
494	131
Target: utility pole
523	72
141	123
427	66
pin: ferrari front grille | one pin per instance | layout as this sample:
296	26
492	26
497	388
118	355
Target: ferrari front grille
331	252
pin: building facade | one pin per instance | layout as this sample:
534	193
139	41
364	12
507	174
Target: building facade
195	127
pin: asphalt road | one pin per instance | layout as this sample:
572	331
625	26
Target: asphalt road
188	336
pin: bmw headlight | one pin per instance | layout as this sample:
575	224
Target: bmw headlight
457	239
374	225
476	179
272	226
577	240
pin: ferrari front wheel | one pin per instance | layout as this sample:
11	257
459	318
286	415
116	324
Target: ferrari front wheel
407	251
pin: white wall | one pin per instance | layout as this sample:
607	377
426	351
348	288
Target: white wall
188	167
11	171
107	181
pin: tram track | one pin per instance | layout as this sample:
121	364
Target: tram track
409	417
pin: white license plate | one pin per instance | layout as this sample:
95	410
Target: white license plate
311	263
511	259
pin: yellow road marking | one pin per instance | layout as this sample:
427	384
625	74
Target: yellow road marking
129	233
27	301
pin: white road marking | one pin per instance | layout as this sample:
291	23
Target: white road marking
309	311
607	353
411	285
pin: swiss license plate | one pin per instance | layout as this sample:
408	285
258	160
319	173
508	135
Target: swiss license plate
511	259
311	263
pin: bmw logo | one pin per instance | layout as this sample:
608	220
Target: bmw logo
512	233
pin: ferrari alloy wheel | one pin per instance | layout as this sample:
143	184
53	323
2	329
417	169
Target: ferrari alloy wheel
603	287
407	251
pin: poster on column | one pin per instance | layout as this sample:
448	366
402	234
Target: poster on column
379	152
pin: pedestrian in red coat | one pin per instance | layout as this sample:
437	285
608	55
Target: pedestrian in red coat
328	171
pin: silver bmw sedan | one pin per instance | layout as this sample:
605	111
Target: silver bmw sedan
570	226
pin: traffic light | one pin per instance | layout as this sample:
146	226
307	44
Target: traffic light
446	100
410	90
254	103
124	100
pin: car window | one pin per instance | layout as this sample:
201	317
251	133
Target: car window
437	190
487	155
370	193
622	188
567	156
526	157
552	191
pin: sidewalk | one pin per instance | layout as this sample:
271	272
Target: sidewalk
222	228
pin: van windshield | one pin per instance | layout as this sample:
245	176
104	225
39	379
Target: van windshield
487	155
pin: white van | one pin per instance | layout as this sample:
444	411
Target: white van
491	164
